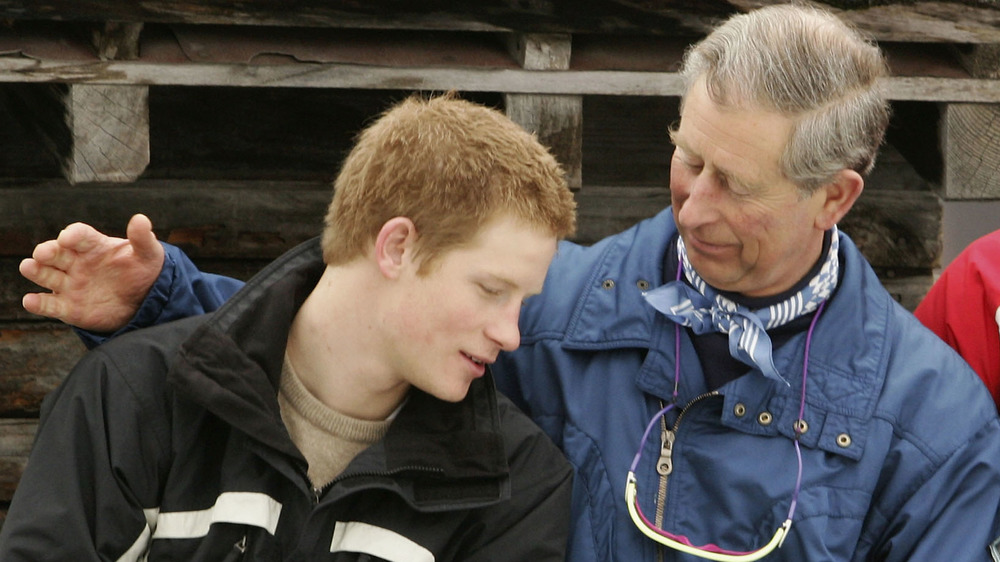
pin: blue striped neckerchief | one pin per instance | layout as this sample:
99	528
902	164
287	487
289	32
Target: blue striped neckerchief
702	308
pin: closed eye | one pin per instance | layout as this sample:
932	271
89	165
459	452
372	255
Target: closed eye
491	291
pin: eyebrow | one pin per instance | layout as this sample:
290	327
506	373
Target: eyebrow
720	170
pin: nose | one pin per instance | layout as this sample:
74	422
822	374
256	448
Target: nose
695	199
504	329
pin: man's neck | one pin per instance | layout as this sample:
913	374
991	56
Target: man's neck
334	346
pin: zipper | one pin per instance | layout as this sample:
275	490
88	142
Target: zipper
238	551
665	464
317	493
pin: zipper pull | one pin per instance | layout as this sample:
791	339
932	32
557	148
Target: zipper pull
238	551
665	465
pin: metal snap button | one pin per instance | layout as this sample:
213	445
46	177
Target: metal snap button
740	409
801	426
844	440
765	418
642	284
608	284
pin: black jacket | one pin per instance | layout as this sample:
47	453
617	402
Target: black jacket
168	443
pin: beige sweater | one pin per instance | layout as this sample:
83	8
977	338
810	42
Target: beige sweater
327	439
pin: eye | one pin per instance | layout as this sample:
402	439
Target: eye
738	189
491	291
689	163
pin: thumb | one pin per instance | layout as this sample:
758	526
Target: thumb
140	234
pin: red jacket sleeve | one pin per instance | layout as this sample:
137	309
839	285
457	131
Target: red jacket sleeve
962	308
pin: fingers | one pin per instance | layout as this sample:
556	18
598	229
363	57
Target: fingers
80	237
52	278
140	235
51	254
43	304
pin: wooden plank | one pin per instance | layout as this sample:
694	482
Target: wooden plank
313	75
557	120
110	131
625	139
897	229
248	220
947	21
489	15
919	21
96	132
209	219
600	65
603	211
115	40
16	438
34	359
970	136
537	51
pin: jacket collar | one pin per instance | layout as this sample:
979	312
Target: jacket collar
231	365
848	356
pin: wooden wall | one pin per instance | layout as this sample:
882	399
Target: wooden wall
227	133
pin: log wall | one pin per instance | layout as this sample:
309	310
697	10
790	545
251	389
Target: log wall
226	129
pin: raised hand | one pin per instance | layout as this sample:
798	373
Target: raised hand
97	281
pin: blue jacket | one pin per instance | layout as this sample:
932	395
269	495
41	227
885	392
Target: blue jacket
901	455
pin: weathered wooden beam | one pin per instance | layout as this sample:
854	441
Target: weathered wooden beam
110	129
16	438
970	135
900	20
115	40
626	141
247	220
98	132
557	120
34	359
908	20
237	220
347	76
897	229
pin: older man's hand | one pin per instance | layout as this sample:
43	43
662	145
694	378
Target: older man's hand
97	281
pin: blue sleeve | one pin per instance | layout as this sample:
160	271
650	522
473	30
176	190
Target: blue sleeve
181	290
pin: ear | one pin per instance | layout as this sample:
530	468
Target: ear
838	197
394	246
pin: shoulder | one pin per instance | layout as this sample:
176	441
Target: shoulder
528	447
578	271
131	367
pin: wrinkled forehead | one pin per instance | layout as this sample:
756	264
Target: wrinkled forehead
742	142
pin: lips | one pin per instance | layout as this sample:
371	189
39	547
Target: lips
705	247
475	360
478	364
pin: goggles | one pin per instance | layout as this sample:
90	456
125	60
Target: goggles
712	551
682	543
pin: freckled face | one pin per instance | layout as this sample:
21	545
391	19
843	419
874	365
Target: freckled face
745	226
457	317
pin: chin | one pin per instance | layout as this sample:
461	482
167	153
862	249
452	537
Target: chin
452	394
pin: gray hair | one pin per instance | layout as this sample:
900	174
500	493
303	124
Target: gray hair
808	64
